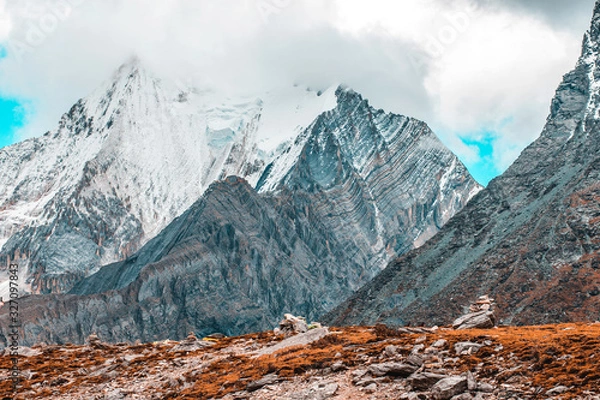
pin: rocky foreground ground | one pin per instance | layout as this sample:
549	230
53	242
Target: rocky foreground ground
538	362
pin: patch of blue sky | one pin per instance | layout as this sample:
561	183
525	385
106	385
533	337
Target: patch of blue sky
484	168
12	115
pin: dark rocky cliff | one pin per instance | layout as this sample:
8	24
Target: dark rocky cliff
362	187
530	239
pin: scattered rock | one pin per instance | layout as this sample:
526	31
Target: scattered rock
557	390
463	396
463	348
338	366
266	380
390	351
392	369
372	388
217	336
440	344
421	339
23	351
417	349
415	359
424	380
485	387
359	373
449	387
321	391
364	381
298	340
471	382
413	396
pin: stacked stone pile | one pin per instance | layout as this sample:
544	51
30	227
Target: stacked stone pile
481	315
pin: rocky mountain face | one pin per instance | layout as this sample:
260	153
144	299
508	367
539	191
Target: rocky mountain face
124	162
357	187
381	180
531	239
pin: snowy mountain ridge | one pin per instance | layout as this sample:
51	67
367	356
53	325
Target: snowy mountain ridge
311	194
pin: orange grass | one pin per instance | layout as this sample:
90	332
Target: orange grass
541	356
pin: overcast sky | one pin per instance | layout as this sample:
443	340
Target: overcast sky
480	72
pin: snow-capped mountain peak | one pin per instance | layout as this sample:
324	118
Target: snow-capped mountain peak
126	160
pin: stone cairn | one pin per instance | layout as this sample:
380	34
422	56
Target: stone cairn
190	340
483	303
481	315
291	325
95	342
191	343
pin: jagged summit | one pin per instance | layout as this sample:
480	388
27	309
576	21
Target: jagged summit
138	151
328	190
530	239
594	31
126	160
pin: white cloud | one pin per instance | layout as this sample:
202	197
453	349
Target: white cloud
495	70
5	22
501	77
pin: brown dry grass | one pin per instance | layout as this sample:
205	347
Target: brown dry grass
544	356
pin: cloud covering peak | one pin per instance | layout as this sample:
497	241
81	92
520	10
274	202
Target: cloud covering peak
476	71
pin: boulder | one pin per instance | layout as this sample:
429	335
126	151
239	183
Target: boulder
477	320
217	336
266	380
415	359
424	380
390	351
557	390
467	347
372	388
471	382
392	369
301	339
449	387
338	366
485	387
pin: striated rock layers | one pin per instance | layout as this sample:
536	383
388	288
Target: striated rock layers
124	162
531	239
357	187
